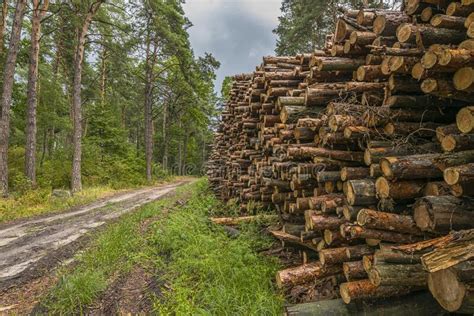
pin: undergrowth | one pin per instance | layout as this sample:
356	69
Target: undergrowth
206	271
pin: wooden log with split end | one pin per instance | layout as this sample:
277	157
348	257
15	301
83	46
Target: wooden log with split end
305	273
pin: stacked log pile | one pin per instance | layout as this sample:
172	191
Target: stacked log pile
363	148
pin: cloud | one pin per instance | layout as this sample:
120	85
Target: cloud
237	32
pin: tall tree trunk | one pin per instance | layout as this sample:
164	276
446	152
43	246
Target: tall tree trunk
151	58
180	151
165	136
3	22
30	149
103	74
7	89
76	181
185	153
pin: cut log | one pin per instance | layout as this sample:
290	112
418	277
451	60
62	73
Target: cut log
364	289
458	142
443	213
291	240
422	130
387	24
232	221
451	254
398	274
305	273
368	233
339	255
354	173
456	58
354	270
449	22
321	222
465	119
362	38
399	190
388	255
410	167
463	79
361	192
459	174
339	64
451	291
388	221
457	9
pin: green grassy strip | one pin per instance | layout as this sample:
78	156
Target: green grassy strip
206	272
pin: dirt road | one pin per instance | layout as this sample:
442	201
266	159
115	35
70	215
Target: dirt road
30	247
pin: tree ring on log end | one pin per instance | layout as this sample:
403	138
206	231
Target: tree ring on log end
446	289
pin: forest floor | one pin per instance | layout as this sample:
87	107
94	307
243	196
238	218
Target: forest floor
32	248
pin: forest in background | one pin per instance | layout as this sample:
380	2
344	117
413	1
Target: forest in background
100	92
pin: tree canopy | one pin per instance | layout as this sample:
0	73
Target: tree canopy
136	52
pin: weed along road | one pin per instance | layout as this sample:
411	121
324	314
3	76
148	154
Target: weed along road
31	247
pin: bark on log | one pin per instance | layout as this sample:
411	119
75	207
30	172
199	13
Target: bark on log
457	142
361	192
388	221
387	24
457	9
354	270
364	289
459	174
232	221
443	213
305	273
398	274
449	22
399	190
321	222
382	235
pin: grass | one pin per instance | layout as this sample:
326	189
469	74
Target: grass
205	271
209	273
38	202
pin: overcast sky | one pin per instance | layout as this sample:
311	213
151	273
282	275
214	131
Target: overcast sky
237	32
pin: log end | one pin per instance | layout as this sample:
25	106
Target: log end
465	120
422	216
386	168
382	188
429	60
446	289
451	176
448	143
344	291
464	78
379	24
429	85
404	32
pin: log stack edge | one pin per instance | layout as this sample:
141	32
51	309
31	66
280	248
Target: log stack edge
365	149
